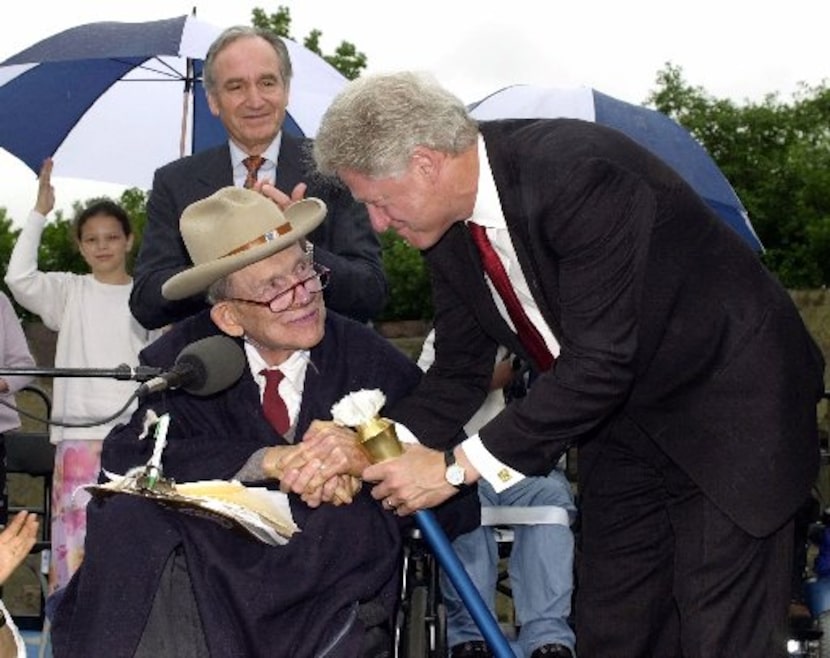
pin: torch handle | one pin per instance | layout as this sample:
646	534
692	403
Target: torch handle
448	559
381	442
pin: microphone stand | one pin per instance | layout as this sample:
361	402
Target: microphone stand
122	372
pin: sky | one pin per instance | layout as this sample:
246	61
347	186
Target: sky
731	48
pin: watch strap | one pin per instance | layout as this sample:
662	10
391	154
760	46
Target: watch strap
449	460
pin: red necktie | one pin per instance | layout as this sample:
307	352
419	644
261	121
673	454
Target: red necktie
528	334
272	403
252	164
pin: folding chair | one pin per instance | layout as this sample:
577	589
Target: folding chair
31	455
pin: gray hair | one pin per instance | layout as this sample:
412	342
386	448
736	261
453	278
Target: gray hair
219	290
232	34
376	122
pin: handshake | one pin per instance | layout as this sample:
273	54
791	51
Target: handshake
326	466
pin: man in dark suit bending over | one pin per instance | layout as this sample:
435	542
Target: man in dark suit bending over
667	352
247	77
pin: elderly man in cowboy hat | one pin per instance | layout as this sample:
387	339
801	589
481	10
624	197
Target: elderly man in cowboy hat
157	582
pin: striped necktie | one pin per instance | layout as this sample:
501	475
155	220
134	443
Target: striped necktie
252	164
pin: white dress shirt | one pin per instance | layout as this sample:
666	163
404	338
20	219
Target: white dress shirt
489	214
267	171
291	386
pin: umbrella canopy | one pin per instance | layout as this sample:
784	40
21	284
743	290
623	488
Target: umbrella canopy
661	135
113	101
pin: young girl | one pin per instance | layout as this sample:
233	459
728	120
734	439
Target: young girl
95	329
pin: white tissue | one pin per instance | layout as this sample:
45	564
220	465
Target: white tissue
359	407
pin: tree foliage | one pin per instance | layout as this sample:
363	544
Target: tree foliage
410	291
346	58
776	155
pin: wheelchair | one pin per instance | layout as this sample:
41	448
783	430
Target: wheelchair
421	623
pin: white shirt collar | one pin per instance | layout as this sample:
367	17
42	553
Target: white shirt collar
293	367
270	154
487	210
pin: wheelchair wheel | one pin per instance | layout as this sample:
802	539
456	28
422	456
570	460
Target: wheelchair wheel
415	636
438	632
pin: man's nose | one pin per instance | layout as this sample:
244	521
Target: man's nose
253	96
378	218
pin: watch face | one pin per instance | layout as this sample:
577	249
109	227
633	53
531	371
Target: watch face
455	475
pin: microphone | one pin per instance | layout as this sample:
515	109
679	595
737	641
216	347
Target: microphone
202	368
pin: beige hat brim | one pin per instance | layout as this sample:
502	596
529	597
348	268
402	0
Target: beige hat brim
303	217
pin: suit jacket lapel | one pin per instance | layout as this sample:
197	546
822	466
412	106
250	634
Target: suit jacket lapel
544	290
289	163
458	260
214	171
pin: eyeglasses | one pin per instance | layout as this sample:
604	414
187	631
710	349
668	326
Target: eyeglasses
284	299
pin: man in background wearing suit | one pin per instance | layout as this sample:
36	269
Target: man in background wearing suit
247	77
667	352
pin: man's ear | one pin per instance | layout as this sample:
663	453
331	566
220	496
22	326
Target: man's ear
213	104
427	162
223	315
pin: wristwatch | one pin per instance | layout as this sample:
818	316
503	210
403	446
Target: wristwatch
454	474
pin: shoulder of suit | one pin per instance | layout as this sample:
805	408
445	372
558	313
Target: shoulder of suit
166	347
219	153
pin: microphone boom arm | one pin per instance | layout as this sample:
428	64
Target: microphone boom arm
122	372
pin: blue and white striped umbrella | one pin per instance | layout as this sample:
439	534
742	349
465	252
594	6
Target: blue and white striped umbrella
661	135
113	101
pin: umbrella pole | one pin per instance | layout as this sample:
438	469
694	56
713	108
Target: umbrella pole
188	90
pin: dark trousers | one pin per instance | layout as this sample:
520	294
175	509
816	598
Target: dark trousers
661	571
174	627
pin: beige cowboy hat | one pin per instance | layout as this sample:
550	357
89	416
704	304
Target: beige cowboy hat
233	228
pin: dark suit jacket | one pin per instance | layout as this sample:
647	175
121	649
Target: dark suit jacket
254	599
344	242
664	316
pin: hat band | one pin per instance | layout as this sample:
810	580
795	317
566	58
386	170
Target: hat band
263	239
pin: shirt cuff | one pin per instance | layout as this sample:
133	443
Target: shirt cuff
498	474
404	434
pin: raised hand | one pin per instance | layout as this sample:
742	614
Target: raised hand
45	192
16	540
279	197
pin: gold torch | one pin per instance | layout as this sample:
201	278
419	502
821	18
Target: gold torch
361	411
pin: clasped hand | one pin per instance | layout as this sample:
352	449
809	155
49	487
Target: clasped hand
324	467
411	482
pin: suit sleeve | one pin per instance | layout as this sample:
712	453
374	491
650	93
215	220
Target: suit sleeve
15	351
457	382
595	233
162	254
